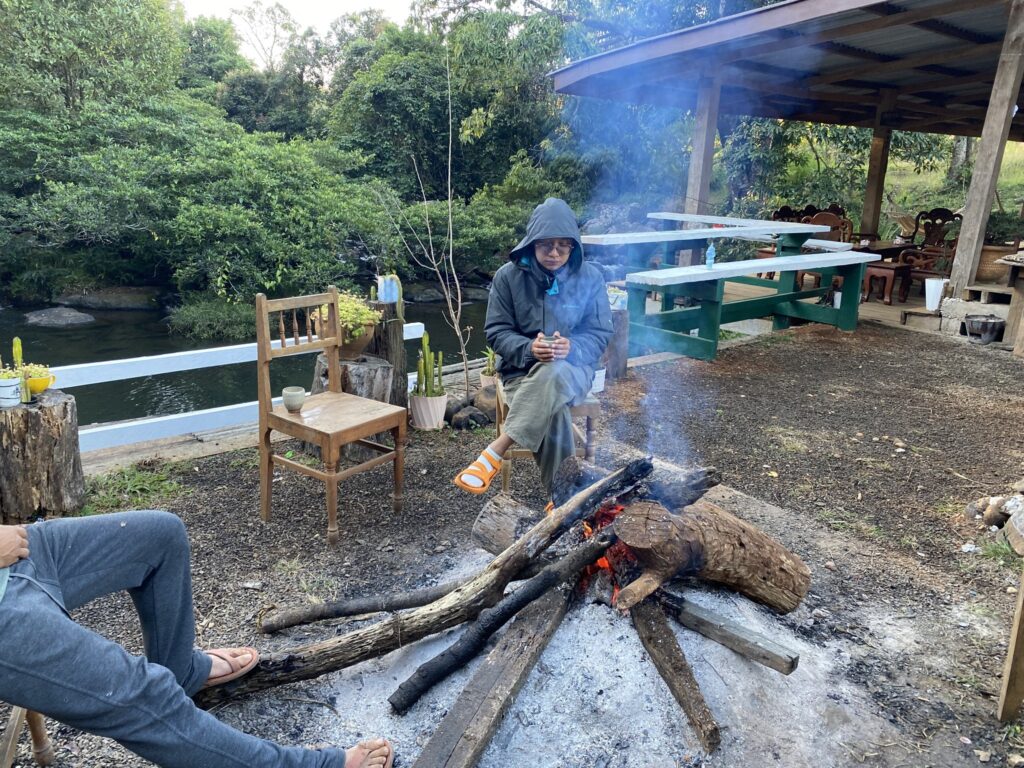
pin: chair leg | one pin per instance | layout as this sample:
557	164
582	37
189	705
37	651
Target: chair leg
588	444
9	741
42	747
331	457
398	433
506	473
266	475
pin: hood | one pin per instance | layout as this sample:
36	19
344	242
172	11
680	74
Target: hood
552	218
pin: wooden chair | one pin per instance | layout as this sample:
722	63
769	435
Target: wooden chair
329	419
42	748
589	409
928	262
932	226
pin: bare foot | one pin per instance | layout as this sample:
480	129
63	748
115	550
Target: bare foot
369	754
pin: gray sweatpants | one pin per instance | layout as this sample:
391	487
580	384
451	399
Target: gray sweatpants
50	664
538	412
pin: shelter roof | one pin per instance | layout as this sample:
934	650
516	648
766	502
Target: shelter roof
928	64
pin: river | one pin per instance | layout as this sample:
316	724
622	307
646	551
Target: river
117	335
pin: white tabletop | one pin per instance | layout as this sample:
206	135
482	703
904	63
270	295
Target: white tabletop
720	270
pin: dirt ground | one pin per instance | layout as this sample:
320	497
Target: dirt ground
865	447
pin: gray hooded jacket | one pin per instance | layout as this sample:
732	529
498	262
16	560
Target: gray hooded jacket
526	299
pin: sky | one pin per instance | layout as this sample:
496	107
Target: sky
308	13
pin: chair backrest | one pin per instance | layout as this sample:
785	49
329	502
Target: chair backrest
840	229
932	225
292	326
785	213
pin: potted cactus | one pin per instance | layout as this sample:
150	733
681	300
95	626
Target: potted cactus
428	400
489	374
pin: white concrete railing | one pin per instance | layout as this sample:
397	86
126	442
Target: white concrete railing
158	427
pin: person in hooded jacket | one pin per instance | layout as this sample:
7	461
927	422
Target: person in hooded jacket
549	321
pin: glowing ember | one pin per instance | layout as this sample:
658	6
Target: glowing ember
605	516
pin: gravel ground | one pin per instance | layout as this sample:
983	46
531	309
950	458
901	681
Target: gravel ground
867	446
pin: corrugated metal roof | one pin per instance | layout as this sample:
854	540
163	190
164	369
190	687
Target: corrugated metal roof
830	61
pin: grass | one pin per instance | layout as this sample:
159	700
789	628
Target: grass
138	487
1001	552
788	440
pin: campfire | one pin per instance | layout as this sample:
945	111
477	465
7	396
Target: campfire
619	536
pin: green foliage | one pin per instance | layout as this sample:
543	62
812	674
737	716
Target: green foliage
138	487
1003	227
210	53
354	314
208	317
490	366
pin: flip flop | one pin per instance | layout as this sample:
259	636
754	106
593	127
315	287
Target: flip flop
238	668
478	470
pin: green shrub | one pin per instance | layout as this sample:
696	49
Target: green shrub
208	318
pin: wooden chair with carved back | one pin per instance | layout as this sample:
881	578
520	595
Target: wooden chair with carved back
329	419
933	225
42	748
840	230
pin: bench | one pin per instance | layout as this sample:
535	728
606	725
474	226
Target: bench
669	329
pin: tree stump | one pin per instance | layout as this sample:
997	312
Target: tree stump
366	376
389	342
41	470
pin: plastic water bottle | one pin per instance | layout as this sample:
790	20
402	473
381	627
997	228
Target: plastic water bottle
709	256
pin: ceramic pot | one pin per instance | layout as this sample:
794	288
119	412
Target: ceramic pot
427	412
10	393
293	398
983	329
40	383
352	348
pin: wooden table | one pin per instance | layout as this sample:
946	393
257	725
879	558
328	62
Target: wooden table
887	271
886	249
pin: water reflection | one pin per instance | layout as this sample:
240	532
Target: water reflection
118	335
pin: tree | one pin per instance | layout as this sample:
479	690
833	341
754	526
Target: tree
211	52
268	29
60	55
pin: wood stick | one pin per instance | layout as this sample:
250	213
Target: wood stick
491	620
465	603
466	730
663	648
276	620
746	642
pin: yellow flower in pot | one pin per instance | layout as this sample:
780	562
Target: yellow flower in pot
38	376
356	319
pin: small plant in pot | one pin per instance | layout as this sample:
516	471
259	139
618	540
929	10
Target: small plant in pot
38	377
10	387
428	399
489	374
356	319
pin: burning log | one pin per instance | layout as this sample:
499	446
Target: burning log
491	620
706	541
663	648
462	604
503	520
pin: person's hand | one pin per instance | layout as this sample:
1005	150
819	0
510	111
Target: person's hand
542	350
561	346
13	544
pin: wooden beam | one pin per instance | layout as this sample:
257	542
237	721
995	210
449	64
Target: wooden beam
923	59
878	164
1012	692
943	84
698	183
933	24
464	733
996	130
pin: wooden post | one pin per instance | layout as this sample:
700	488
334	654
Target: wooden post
1001	108
1012	692
389	342
878	164
698	183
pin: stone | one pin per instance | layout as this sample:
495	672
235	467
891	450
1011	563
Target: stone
1018	486
58	317
469	418
422	293
123	297
486	400
455	404
994	513
472	293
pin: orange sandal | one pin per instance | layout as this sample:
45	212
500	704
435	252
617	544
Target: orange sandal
238	668
478	470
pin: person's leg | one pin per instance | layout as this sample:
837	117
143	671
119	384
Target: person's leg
50	664
145	553
558	444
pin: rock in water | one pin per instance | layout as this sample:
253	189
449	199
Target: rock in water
58	317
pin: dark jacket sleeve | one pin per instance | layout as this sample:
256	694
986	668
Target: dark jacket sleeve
592	335
500	325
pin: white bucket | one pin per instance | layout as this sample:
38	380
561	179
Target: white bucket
933	290
837	299
10	392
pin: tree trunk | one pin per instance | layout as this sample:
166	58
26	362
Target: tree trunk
706	541
501	521
40	468
617	353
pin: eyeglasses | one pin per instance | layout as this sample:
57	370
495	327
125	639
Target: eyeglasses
554	245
